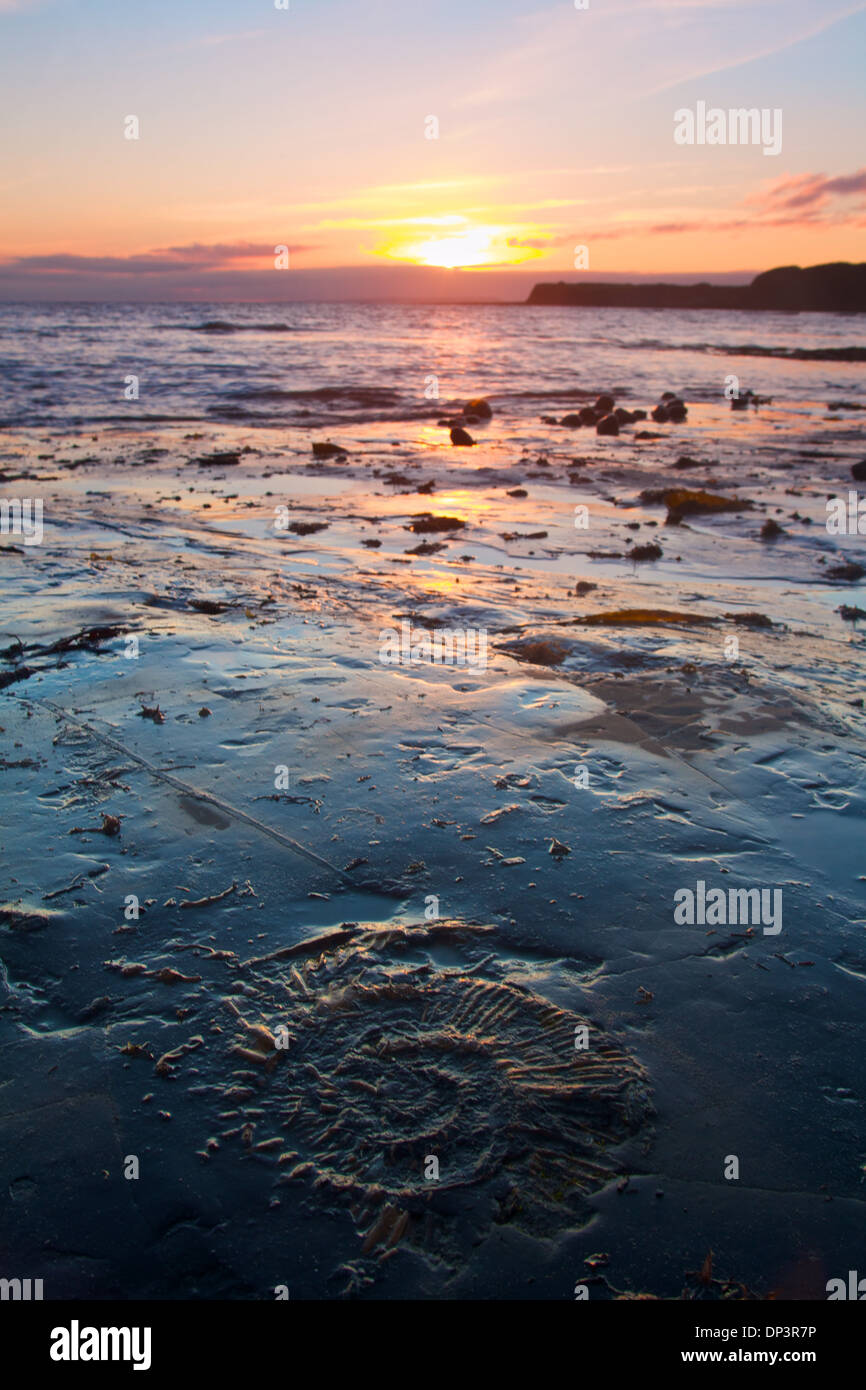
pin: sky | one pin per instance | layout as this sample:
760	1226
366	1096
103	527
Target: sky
404	149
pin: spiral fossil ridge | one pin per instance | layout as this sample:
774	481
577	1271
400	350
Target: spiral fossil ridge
381	1048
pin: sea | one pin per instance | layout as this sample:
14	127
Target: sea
327	364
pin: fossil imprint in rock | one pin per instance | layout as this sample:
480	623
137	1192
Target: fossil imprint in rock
393	1052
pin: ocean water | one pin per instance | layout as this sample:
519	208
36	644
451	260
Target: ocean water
313	365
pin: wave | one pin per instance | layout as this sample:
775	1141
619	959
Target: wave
372	396
826	354
224	326
823	354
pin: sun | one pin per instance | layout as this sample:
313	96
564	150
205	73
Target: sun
474	246
464	249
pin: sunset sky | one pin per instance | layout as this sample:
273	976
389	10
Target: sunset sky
307	127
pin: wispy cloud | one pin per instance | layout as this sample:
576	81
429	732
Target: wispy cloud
170	259
798	200
809	192
632	49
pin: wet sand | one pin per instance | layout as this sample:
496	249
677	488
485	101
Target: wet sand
613	720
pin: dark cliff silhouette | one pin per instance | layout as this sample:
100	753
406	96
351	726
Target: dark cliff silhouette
839	287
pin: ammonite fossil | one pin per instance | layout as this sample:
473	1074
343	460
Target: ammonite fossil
385	1067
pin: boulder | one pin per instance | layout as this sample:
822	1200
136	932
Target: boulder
608	424
478	407
588	416
460	438
651	551
858	471
660	414
571	422
604	405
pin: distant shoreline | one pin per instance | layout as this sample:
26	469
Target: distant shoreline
839	287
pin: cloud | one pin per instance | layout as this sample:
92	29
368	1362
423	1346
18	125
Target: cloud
170	260
219	252
651	45
809	192
798	200
545	241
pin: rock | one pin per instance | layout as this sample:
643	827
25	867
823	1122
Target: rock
460	438
682	501
540	651
858	471
425	522
588	416
571	422
478	407
638	414
608	424
224	460
667	396
660	414
677	411
327	450
604	405
623	416
849	572
650	551
686	461
770	530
